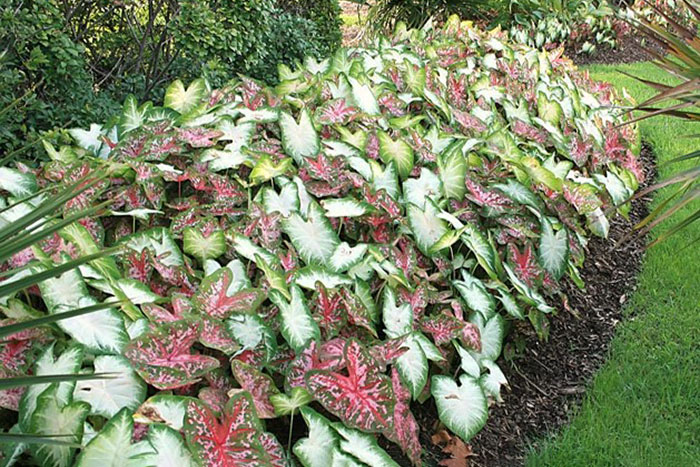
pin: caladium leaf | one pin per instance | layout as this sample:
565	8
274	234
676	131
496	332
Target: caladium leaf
398	320
286	202
405	426
491	332
297	326
260	386
107	396
234	440
397	151
233	155
427	227
345	257
554	250
133	116
112	445
163	409
413	366
363	399
266	169
300	140
16	183
168	448
161	243
461	404
214	334
344	207
443	327
363	446
52	417
69	362
287	404
314	238
493	380
203	246
163	359
308	277
418	190
453	171
214	299
251	332
323	441
475	294
185	100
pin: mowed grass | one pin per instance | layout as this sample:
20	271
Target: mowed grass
643	408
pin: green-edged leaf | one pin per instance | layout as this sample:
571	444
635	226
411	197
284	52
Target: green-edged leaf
112	446
107	396
297	326
399	152
160	242
554	250
476	295
413	367
286	202
245	247
266	169
168	449
317	450
18	184
427	227
461	405
133	116
299	140
163	408
185	100
201	246
289	404
418	190
491	332
364	97
54	417
363	446
344	256
314	238
307	277
233	154
398	320
344	207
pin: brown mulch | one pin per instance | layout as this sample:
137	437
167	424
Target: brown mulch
629	50
548	379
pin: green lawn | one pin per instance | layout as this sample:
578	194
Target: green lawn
643	408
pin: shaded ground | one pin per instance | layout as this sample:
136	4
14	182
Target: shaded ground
629	50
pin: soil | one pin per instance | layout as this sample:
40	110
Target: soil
629	50
548	379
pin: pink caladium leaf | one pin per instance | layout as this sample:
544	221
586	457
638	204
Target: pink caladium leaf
582	197
232	441
276	456
468	121
471	336
199	137
525	264
159	315
357	312
213	334
335	111
327	311
163	357
212	296
139	266
215	398
486	198
388	351
442	326
258	384
363	399
405	428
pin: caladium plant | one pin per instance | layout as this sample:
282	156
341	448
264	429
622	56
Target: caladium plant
355	239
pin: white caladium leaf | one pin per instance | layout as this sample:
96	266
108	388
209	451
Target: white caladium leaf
429	349
619	192
397	151
314	238
163	409
344	207
201	246
307	278
519	193
418	190
250	331
493	380
468	363
101	331
363	447
299	140
461	404
317	449
398	320
297	326
18	184
413	367
233	154
285	203
108	396
529	293
161	243
475	294
245	247
135	291
260	115
52	417
133	116
112	445
598	223
554	249
90	140
185	100
68	362
426	225
344	257
164	447
364	97
491	332
385	178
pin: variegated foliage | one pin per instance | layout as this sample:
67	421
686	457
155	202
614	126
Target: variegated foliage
350	239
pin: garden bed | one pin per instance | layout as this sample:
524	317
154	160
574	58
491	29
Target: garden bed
548	379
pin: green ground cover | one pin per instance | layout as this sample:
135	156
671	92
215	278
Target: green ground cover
643	408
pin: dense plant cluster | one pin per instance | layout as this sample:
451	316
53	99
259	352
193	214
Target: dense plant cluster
346	245
71	61
580	24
